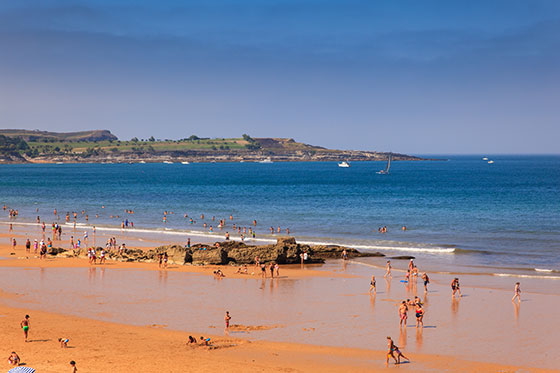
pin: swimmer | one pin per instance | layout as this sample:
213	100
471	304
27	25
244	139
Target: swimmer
517	294
388	269
372	285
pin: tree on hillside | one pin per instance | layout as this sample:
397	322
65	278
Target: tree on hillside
152	139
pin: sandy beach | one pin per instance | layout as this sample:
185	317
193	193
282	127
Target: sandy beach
122	316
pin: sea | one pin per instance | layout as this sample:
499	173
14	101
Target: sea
501	218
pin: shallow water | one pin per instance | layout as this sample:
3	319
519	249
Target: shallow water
504	215
484	325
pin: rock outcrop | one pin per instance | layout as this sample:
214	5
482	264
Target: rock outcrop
285	251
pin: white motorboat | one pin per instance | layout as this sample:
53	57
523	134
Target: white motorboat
485	158
490	162
167	162
344	164
266	160
185	162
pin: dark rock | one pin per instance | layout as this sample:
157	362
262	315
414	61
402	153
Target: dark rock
56	250
209	256
402	257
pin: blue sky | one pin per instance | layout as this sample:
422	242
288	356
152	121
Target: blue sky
404	76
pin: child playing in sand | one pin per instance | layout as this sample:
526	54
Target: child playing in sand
517	294
14	359
191	341
63	342
455	287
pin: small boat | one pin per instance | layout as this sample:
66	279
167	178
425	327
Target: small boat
167	162
485	158
185	162
387	168
490	162
266	160
142	162
59	162
344	164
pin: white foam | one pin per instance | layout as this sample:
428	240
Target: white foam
525	276
544	270
436	250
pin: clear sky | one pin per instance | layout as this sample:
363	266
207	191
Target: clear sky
418	76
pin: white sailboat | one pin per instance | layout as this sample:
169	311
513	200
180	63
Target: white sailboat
388	167
344	164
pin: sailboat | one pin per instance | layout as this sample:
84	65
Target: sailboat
386	170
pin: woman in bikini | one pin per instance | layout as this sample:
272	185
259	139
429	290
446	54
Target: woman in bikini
372	285
403	313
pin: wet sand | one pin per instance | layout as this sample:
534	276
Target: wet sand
326	306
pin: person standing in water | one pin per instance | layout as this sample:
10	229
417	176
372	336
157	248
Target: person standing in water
517	294
455	287
372	285
426	280
227	318
25	326
403	313
388	269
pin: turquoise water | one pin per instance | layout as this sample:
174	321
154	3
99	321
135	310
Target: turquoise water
502	215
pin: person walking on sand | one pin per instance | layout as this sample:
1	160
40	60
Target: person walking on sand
372	285
73	365
227	318
25	326
455	287
426	280
517	294
393	349
388	269
403	313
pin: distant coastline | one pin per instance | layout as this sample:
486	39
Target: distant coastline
101	146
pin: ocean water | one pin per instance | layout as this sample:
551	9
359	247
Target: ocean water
502	217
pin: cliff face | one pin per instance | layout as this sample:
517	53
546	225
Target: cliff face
236	155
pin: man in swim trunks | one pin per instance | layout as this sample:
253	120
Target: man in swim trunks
372	285
403	313
426	280
517	294
25	326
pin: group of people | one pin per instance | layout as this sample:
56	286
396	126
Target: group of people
14	358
